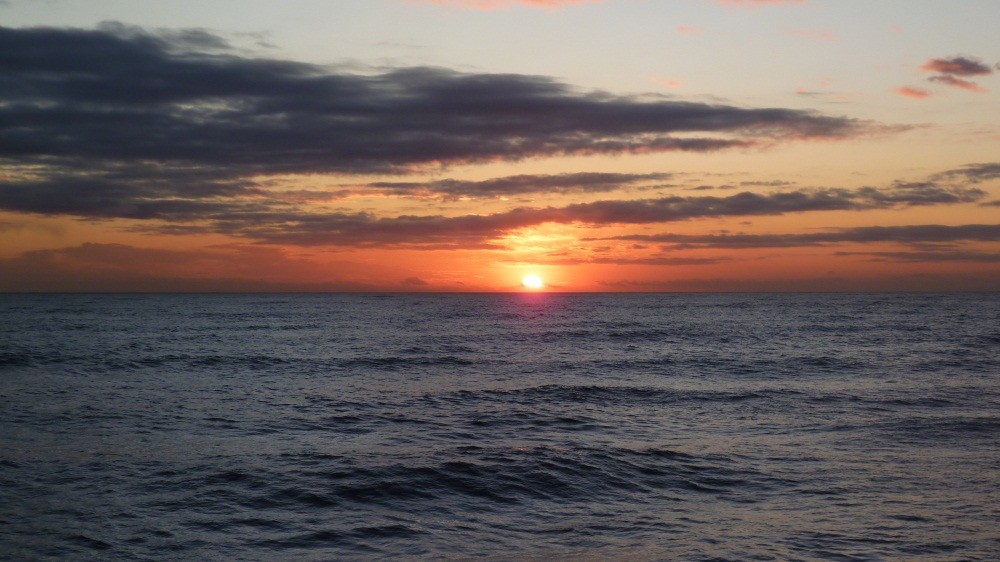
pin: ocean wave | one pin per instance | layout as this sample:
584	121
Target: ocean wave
607	395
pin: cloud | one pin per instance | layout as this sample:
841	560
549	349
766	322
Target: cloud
667	261
913	92
957	66
689	29
958	83
258	216
482	231
972	173
511	186
910	235
950	69
120	123
414	282
99	105
929	256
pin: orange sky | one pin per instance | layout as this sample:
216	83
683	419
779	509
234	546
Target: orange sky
156	155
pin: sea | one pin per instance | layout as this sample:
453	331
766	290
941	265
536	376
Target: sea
535	426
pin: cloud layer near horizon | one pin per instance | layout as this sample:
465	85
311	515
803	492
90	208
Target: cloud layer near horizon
278	225
909	234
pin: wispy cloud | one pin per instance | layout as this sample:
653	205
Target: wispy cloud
253	212
297	227
669	261
512	186
910	234
929	256
958	83
972	173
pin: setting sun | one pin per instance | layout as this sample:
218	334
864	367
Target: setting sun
532	282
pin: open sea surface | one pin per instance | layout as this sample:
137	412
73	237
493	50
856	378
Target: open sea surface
512	426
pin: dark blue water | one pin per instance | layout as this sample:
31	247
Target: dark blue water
641	427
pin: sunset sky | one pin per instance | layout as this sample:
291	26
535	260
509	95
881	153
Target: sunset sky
460	145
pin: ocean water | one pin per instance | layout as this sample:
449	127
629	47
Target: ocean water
518	426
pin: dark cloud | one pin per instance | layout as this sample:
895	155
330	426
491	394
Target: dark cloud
950	69
919	193
117	94
509	186
912	234
771	183
929	256
949	80
414	282
972	173
437	231
208	203
957	66
118	122
650	260
115	194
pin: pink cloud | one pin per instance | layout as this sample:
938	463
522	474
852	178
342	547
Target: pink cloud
957	66
958	83
950	69
911	92
689	30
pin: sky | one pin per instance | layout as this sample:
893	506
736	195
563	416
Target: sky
461	145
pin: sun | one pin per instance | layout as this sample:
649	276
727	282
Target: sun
532	282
